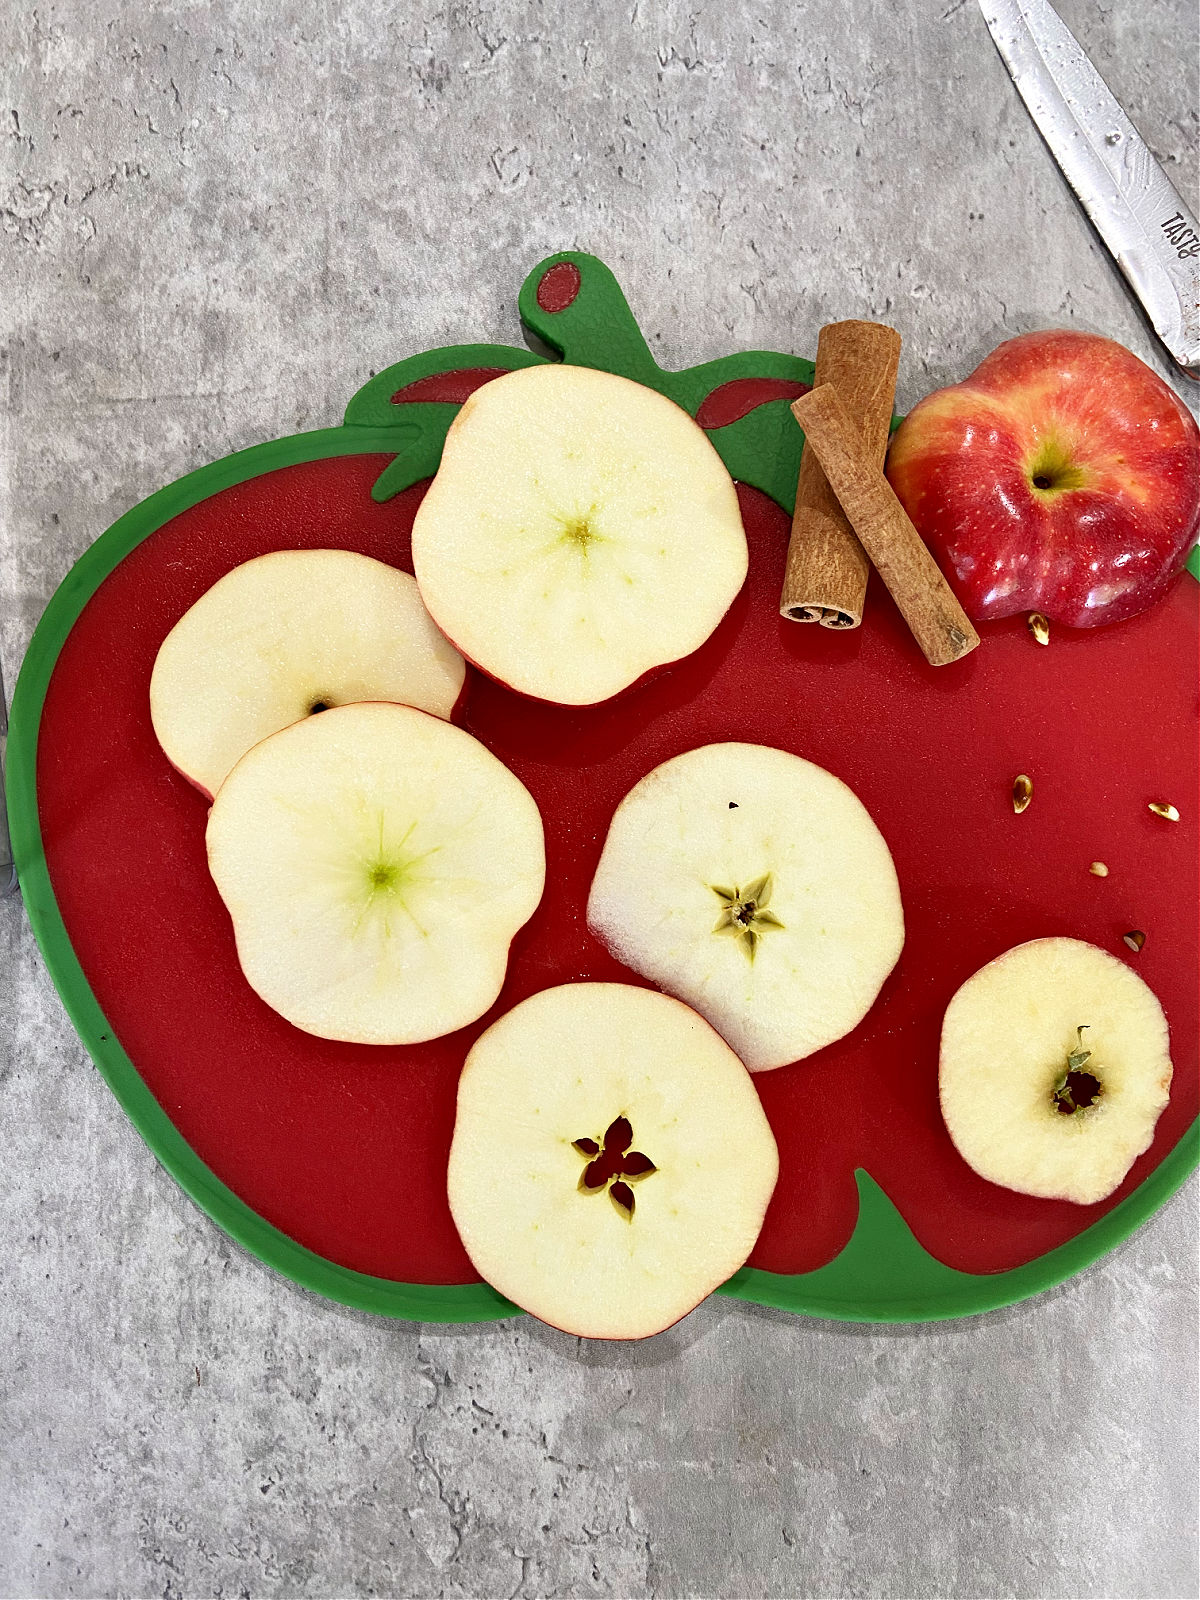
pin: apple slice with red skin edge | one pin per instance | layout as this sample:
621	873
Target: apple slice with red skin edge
1054	1069
756	887
611	1163
376	863
286	635
581	532
1062	477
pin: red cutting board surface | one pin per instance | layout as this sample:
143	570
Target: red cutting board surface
343	1147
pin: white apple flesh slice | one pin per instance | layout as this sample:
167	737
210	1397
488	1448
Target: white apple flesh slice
611	1162
1055	1067
581	531
755	886
376	863
287	634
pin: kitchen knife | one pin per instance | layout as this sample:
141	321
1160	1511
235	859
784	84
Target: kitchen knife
1137	211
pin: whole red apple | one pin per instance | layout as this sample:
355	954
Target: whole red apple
1062	476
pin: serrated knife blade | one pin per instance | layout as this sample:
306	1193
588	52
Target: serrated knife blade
1135	208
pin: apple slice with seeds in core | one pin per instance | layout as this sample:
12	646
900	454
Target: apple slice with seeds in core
581	531
611	1162
285	635
755	886
1055	1067
376	863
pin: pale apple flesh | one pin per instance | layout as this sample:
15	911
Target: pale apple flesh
611	1162
1055	1066
581	531
755	886
286	635
1062	476
376	863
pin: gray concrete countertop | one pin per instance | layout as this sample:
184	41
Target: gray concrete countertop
215	220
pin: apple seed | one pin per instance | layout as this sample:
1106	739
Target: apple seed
1022	792
1039	627
1135	939
1098	869
1165	810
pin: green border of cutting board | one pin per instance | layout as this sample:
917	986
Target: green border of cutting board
883	1274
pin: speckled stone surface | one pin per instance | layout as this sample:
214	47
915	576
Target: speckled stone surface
215	220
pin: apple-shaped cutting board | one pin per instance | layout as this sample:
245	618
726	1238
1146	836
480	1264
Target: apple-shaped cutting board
328	1160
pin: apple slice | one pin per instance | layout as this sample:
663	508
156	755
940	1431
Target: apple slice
287	634
581	531
1054	1070
755	886
611	1162
376	863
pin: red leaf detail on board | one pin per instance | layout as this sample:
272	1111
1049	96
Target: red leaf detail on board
736	399
451	388
558	286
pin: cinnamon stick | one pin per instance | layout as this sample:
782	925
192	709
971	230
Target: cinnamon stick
939	624
827	568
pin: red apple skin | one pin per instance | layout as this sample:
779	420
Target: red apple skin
650	674
1111	528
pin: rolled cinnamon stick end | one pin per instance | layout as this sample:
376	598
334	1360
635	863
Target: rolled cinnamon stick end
939	624
827	569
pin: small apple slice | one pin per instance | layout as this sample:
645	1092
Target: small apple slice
611	1162
376	863
1054	1069
581	531
755	886
287	634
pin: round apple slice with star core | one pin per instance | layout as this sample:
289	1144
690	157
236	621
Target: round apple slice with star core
755	886
611	1162
376	863
1055	1067
285	635
581	532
